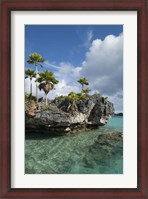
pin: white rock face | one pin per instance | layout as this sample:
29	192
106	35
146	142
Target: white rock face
67	129
104	120
79	118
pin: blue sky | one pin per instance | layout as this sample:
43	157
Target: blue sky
72	51
66	43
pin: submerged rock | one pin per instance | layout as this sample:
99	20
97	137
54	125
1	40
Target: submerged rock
107	150
61	116
109	143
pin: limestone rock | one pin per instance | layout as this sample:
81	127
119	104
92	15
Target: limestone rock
60	115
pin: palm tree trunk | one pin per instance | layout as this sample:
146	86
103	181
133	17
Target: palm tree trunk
82	86
36	84
30	86
46	98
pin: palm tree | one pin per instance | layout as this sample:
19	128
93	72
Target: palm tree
47	81
86	90
36	59
30	73
73	97
83	81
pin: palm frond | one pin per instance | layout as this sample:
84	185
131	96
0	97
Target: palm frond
30	72
41	65
35	58
83	81
47	76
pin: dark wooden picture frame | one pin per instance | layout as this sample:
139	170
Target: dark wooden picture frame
141	6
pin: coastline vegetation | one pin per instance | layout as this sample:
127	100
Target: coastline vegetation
46	81
36	59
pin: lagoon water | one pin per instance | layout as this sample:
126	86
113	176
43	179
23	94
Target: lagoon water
71	154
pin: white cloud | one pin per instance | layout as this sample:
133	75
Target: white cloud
89	36
63	89
88	40
48	64
69	73
103	67
117	99
27	88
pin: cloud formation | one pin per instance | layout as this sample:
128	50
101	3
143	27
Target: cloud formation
88	40
103	67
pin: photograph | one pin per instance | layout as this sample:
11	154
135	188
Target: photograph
73	89
73	104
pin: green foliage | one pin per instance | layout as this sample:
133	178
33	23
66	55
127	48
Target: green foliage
83	81
30	73
47	76
76	96
47	81
72	93
86	90
72	96
60	97
35	58
81	96
96	95
29	97
46	107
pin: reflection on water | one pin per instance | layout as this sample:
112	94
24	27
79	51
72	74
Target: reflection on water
73	154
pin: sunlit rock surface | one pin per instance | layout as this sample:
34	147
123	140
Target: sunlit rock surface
61	116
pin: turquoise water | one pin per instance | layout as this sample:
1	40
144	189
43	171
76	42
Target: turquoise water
73	154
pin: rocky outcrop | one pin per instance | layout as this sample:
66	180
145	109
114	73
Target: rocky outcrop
118	114
62	116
